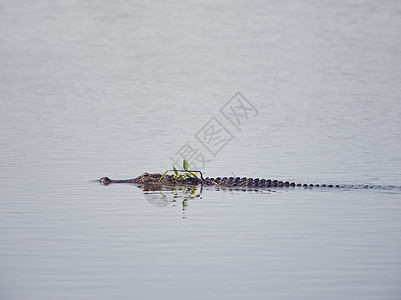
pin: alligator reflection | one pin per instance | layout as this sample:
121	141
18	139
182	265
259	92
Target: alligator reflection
162	195
159	196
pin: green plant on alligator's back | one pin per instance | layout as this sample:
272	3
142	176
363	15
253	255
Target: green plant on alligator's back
183	176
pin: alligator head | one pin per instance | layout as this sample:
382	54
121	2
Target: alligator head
105	180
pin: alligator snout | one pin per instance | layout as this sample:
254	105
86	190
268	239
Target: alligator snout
105	180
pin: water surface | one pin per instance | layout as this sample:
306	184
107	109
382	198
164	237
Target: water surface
116	88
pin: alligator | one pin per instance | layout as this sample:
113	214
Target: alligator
159	179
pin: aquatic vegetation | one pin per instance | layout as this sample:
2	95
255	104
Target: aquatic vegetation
184	174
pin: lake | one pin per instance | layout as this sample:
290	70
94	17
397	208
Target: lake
305	91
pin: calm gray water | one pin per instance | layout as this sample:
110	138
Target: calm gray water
118	88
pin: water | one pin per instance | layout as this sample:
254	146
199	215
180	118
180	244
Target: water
116	88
